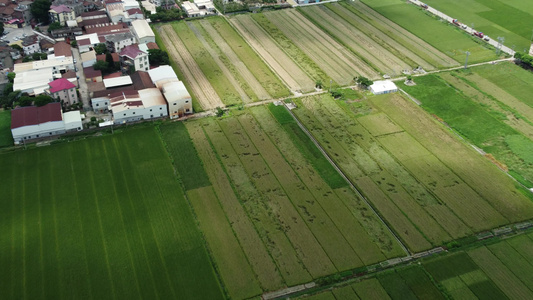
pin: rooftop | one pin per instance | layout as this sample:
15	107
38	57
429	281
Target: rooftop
117	81
90	72
62	49
32	115
60	9
162	72
60	85
117	37
141	80
142	29
103	57
131	51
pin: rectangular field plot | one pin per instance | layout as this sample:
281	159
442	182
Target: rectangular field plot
6	139
441	35
336	61
100	218
284	223
408	172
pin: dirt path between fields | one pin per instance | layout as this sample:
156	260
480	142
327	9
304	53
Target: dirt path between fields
205	94
254	84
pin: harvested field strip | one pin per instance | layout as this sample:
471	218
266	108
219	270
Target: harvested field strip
512	259
174	57
233	267
244	72
270	82
291	73
257	254
199	84
226	68
478	173
396	32
366	48
350	167
210	69
420	283
267	216
345	292
323	50
376	165
311	253
379	37
395	286
295	53
310	207
500	274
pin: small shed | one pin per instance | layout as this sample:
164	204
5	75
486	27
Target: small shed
383	87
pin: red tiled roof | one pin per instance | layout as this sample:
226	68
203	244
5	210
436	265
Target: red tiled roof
90	72
62	49
131	51
69	74
114	55
32	115
93	13
113	75
104	27
60	84
141	80
84	42
108	92
60	8
132	11
152	45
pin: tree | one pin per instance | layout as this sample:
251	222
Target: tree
101	65
100	48
110	62
158	57
16	47
39	10
74	44
1	28
39	56
42	100
364	82
24	101
11	76
54	26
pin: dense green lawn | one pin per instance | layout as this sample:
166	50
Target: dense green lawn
6	139
102	218
441	35
510	19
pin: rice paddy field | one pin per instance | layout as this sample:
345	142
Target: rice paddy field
103	218
510	19
497	270
429	186
6	139
495	96
441	35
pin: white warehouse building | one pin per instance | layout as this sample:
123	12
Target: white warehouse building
131	105
383	87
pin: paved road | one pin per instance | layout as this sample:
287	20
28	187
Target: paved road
467	29
84	90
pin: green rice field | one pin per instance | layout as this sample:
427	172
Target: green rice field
6	139
103	218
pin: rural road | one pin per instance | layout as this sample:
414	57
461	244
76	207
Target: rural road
467	29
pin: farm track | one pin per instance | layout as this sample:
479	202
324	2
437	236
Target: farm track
379	36
201	87
220	64
323	50
357	41
436	54
266	47
256	86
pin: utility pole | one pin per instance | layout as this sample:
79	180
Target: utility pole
466	61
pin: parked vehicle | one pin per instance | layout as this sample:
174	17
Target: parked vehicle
479	34
424	6
455	22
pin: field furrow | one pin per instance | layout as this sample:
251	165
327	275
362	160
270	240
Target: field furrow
256	86
380	37
326	55
411	41
201	87
263	213
259	258
291	73
356	41
225	71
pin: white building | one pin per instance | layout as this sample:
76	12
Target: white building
178	98
129	106
100	104
59	64
116	42
87	41
149	7
198	8
33	122
117	81
34	82
132	56
160	73
383	87
31	45
142	31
